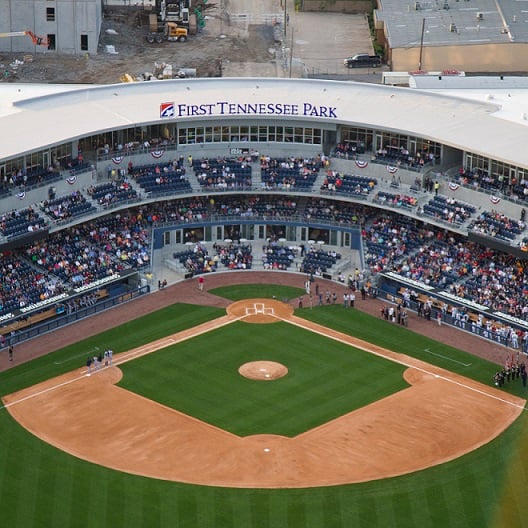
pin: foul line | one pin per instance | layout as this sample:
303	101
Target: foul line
136	353
94	349
448	358
206	327
401	362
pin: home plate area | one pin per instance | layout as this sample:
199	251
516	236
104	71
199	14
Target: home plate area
260	310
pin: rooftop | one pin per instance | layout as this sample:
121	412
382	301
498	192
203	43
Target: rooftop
453	22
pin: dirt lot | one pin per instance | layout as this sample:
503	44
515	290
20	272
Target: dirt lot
243	42
218	44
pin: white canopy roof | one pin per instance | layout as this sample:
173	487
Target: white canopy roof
34	116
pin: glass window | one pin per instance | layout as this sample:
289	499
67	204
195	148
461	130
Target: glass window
235	134
299	135
50	14
244	133
182	136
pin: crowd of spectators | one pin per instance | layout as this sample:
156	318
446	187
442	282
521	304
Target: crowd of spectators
401	156
395	199
276	256
222	173
349	149
82	254
197	260
358	186
234	256
129	147
342	213
447	209
449	262
317	261
22	284
156	178
66	207
20	221
416	250
290	173
498	225
480	179
110	193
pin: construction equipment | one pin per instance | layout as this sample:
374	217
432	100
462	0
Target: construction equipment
182	13
169	31
38	41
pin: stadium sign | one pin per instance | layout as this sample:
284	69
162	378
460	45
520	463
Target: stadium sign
226	108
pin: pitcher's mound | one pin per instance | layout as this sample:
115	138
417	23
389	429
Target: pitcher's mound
263	370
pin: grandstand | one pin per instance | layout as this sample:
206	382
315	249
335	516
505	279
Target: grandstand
94	220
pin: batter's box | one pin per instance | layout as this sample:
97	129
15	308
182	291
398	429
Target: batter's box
259	308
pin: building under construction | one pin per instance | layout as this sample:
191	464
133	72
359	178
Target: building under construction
67	26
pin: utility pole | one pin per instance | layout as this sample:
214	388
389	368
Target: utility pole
285	22
421	45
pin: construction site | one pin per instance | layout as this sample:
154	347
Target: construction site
205	39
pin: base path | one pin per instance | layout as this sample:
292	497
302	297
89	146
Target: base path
440	417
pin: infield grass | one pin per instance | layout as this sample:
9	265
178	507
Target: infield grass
41	486
325	380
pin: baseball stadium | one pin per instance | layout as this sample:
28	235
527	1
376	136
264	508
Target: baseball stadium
263	302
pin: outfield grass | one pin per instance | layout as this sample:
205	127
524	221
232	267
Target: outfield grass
41	486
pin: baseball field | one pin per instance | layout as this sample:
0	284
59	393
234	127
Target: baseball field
261	415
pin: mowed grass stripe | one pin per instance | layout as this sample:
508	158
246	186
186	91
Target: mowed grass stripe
200	377
494	478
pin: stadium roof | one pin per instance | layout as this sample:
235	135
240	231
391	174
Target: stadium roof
488	127
453	22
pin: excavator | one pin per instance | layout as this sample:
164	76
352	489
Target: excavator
38	41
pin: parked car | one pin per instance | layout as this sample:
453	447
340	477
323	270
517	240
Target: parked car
363	60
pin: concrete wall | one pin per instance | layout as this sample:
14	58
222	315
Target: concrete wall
337	6
469	58
73	18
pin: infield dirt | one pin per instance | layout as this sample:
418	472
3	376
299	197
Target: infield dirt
438	418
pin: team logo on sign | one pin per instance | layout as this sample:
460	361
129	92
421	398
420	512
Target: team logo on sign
167	110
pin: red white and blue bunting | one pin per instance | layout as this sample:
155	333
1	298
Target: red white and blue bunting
494	199
117	159
453	186
21	195
391	169
157	153
71	179
362	164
